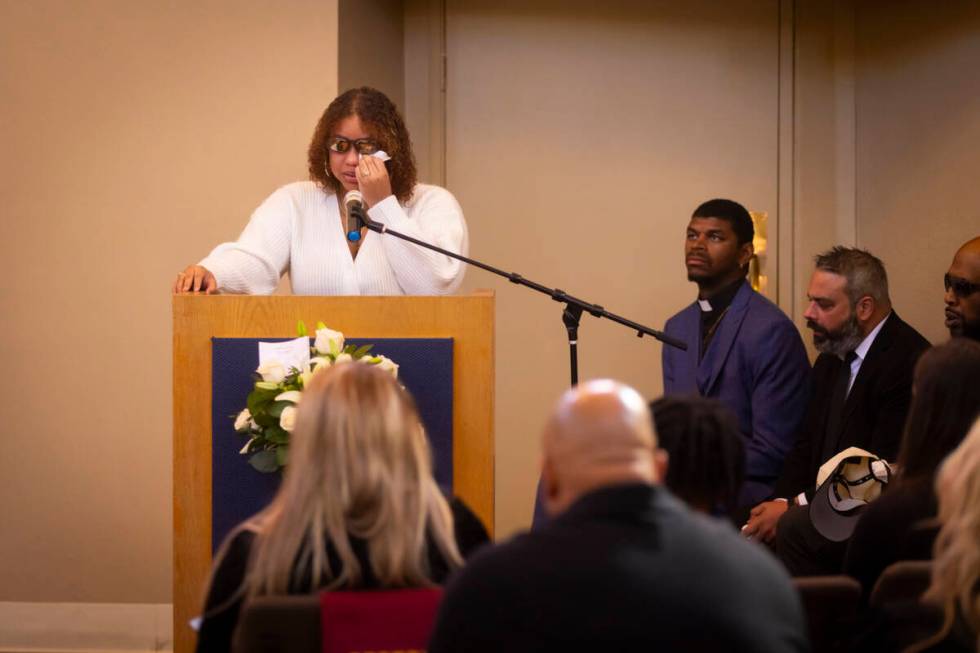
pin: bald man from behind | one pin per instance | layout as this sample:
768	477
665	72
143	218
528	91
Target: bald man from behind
621	565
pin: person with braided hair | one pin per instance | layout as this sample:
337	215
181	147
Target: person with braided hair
706	454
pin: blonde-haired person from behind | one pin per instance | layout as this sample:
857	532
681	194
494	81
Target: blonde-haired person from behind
956	557
358	507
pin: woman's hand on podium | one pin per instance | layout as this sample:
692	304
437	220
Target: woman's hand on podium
195	278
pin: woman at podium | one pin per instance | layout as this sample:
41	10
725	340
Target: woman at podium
360	144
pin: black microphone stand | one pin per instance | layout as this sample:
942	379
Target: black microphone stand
574	307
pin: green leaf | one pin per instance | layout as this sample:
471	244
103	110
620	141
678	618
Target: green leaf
282	455
265	393
360	351
276	435
256	404
264	461
276	407
301	328
259	399
320	325
265	420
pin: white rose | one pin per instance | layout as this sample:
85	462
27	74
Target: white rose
328	341
272	371
388	365
244	421
244	450
305	378
292	395
343	358
320	363
287	420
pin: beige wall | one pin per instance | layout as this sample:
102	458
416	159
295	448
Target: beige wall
135	137
887	142
846	121
371	52
425	93
823	152
581	136
918	145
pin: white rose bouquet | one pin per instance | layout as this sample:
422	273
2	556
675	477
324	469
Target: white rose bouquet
270	410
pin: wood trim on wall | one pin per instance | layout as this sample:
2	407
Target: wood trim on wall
784	238
85	627
425	86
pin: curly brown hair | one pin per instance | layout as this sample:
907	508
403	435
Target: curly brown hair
380	117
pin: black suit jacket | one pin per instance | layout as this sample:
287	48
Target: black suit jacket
874	413
625	568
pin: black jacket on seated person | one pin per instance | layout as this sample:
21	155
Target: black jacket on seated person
874	412
222	607
899	525
625	568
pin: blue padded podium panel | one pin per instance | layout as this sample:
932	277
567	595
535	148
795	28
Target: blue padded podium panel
238	491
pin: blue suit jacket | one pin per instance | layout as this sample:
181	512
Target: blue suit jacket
756	365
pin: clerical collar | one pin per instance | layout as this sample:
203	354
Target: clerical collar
722	299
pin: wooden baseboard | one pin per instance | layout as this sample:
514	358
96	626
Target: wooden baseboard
85	627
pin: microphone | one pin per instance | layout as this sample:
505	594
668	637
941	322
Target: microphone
354	203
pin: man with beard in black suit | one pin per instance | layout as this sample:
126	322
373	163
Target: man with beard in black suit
861	390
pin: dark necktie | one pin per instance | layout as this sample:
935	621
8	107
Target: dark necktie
835	414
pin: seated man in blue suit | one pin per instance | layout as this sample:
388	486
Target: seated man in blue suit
741	349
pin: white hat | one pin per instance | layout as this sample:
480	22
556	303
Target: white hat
847	483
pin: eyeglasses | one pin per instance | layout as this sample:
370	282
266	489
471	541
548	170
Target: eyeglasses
960	287
342	145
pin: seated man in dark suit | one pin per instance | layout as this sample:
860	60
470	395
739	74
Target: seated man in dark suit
622	564
862	386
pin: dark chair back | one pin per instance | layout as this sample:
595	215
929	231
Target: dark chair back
830	604
276	624
339	622
905	580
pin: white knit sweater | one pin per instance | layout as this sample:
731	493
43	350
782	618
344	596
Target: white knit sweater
298	229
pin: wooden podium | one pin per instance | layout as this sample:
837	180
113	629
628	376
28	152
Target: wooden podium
468	320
